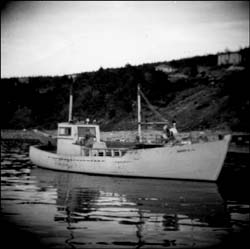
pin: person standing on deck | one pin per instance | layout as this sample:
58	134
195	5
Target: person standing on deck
173	131
169	134
166	133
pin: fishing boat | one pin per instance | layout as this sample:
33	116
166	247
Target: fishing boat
80	149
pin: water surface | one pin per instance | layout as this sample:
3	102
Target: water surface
65	210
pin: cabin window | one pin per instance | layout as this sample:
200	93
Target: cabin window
116	153
64	131
83	131
100	153
108	153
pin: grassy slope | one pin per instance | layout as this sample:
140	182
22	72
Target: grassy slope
207	104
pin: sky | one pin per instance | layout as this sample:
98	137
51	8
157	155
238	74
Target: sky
58	38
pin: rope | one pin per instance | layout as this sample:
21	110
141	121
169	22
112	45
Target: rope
152	108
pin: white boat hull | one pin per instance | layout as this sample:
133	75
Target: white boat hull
201	161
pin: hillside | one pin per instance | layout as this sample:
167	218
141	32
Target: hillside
195	92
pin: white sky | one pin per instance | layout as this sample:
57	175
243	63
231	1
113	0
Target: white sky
57	38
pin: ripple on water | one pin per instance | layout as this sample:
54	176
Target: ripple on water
72	210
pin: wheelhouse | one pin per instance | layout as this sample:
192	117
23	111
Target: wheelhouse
71	135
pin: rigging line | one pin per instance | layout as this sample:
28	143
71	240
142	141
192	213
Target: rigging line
152	108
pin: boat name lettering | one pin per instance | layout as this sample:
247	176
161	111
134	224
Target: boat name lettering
121	161
185	150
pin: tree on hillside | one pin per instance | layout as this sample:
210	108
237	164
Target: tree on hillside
21	118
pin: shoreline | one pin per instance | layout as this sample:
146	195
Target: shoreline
106	135
126	135
240	142
34	134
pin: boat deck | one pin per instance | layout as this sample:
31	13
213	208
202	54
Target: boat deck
114	148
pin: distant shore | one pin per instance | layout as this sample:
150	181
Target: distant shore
107	135
128	136
239	142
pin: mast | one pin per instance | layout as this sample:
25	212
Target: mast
72	77
70	103
139	112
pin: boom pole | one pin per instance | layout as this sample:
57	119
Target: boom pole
139	112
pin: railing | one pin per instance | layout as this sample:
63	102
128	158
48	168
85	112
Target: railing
107	152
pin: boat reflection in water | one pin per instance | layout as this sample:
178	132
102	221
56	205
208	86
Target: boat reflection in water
101	211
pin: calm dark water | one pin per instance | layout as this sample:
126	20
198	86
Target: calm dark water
47	209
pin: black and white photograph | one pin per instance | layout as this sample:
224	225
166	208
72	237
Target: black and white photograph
125	124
